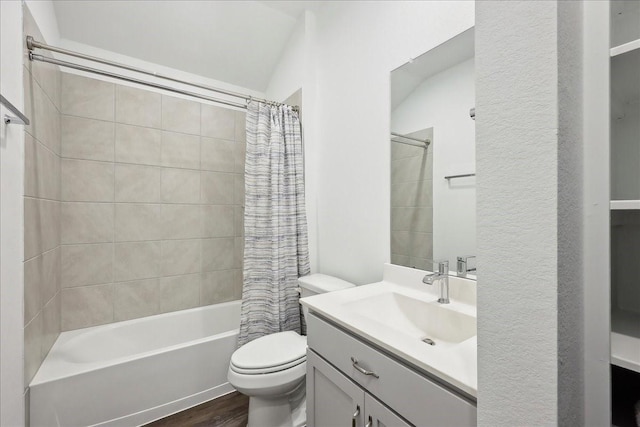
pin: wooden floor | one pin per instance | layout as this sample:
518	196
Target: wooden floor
227	411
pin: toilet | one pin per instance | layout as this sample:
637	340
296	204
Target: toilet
271	370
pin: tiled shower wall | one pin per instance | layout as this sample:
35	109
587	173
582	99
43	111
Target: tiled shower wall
412	204
41	208
151	195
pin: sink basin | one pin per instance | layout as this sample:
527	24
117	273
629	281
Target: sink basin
423	320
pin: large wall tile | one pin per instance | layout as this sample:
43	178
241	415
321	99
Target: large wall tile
412	219
32	347
48	77
218	155
179	292
180	186
135	222
86	222
87	139
87	181
41	226
32	288
137	260
42	171
29	101
87	97
181	222
412	194
139	184
46	120
238	252
138	145
218	122
217	188
166	231
416	168
181	256
218	254
238	212
218	221
136	299
241	126
239	154
238	193
50	284
51	323
217	287
180	115
88	264
180	150
138	107
86	306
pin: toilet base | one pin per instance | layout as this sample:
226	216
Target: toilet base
283	411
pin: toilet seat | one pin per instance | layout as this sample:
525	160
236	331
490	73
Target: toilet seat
271	353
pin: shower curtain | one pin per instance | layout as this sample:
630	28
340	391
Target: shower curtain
276	249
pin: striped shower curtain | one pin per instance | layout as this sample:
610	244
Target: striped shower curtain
276	249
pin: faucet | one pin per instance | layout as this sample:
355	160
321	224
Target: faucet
443	277
463	265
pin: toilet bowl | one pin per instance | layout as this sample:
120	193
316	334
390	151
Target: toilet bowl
271	370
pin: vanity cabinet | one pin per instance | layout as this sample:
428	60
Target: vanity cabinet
345	373
335	400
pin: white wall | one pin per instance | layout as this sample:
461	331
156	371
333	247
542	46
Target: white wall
45	16
295	70
443	102
358	44
11	221
529	166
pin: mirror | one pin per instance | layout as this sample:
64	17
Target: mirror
433	184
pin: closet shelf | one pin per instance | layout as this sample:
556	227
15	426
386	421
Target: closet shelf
625	340
624	48
625	205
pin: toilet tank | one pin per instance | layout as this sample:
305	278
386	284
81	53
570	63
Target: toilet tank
314	284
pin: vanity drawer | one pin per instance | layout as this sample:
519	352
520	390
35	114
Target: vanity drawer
418	399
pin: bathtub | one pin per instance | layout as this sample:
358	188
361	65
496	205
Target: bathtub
133	372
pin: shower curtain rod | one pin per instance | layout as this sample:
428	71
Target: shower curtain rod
34	44
424	143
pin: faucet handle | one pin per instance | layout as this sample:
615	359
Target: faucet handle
443	267
462	265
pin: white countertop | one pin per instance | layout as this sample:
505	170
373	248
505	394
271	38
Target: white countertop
455	364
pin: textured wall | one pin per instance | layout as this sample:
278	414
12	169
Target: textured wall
41	208
529	165
152	188
570	214
517	179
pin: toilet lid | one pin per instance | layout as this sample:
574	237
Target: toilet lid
279	350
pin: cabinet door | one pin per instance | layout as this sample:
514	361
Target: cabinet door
332	399
378	415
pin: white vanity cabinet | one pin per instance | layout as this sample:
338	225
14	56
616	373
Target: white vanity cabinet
394	394
335	400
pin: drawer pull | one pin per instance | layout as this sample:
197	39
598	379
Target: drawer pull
369	423
360	369
355	416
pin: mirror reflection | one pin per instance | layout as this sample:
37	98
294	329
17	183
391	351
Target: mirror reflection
433	184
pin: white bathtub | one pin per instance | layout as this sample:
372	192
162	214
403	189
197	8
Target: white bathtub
133	372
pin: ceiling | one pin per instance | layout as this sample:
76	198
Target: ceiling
238	42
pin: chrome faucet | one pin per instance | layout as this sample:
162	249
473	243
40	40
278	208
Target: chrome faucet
443	277
463	265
